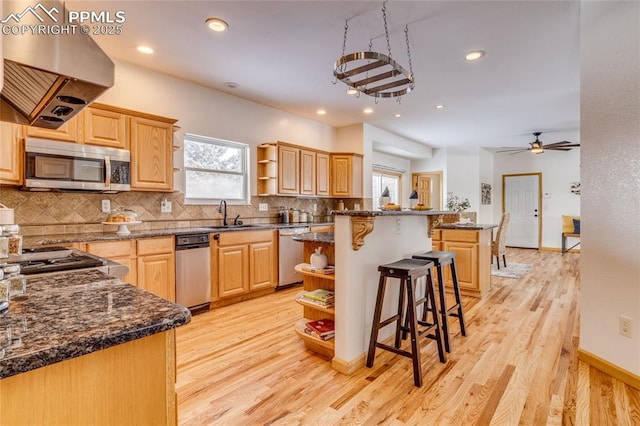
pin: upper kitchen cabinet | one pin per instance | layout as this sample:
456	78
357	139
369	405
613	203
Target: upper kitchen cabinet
307	172
106	126
69	132
346	175
151	154
11	153
288	170
322	174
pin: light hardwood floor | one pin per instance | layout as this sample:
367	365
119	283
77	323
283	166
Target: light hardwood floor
244	365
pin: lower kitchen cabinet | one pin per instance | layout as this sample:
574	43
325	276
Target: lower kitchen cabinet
244	265
131	383
123	252
473	258
156	266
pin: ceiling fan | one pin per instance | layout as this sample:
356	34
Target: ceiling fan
537	147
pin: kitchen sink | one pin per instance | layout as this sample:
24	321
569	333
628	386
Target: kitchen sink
221	228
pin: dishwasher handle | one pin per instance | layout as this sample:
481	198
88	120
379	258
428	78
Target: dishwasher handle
192	246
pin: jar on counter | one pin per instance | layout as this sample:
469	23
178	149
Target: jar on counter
16	282
283	214
294	216
4	247
12	232
303	217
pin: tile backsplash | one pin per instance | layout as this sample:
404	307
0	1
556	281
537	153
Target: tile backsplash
47	213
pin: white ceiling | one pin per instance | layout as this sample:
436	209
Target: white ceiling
281	54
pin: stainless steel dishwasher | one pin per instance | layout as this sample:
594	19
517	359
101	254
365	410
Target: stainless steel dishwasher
193	274
290	253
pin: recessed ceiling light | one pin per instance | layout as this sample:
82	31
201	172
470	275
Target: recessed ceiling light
231	84
351	91
439	106
217	24
321	112
398	115
145	49
368	110
473	55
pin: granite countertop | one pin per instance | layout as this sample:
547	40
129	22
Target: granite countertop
406	212
70	314
30	241
471	226
315	237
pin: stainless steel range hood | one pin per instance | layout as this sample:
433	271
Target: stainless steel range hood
49	78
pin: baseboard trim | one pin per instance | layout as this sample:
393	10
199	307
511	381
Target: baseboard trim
348	367
558	249
613	370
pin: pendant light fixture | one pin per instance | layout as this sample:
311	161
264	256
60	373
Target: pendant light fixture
373	73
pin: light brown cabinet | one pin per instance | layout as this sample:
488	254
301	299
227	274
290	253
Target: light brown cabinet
123	252
322	174
307	172
288	170
68	132
11	154
244	265
346	175
156	266
473	258
105	127
151	154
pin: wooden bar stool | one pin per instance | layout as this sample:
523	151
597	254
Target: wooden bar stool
408	271
440	259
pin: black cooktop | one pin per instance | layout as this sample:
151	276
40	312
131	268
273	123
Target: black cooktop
73	261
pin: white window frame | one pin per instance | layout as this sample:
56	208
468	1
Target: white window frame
245	173
388	174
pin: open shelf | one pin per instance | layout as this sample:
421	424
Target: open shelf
299	268
324	347
320	308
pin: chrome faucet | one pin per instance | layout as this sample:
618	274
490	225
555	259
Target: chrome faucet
224	213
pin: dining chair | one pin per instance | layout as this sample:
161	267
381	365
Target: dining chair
498	246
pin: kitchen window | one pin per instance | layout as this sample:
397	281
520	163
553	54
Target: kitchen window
386	179
215	169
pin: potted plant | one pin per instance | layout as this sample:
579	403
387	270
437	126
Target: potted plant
457	204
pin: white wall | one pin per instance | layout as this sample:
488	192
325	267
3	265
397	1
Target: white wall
208	112
558	170
485	211
463	174
610	107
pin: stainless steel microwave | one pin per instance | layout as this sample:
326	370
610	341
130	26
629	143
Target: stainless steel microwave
65	165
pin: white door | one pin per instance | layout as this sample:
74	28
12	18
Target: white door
522	200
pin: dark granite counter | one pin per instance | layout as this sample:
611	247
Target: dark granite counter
315	237
112	236
472	226
368	213
70	314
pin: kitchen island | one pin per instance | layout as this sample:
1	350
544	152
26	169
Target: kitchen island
89	349
362	240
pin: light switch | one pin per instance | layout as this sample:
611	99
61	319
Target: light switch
263	207
106	206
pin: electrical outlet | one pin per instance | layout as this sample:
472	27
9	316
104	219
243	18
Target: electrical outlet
625	326
263	207
106	206
165	206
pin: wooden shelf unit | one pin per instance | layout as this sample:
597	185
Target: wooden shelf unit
267	169
323	347
310	311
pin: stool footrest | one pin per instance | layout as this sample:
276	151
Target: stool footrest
394	350
389	321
